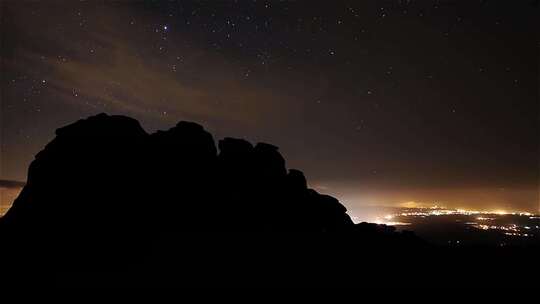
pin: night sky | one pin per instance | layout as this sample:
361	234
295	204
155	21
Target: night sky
378	102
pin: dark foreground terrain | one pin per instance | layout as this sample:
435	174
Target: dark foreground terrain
176	212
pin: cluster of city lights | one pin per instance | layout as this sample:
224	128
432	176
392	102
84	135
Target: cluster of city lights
437	211
481	216
511	230
513	227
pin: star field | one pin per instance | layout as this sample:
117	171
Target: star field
379	102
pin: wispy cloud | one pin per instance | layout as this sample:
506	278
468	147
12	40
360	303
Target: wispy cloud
193	84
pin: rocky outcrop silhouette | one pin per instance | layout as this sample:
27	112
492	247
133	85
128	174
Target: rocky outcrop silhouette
108	170
107	204
106	194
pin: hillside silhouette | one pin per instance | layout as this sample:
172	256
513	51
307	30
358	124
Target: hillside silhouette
104	196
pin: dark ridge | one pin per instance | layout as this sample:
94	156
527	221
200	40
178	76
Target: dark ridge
166	208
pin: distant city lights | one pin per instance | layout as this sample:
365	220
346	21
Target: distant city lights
481	216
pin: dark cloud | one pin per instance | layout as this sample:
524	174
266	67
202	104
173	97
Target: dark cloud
9	184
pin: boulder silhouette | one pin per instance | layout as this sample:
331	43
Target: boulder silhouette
104	194
83	195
